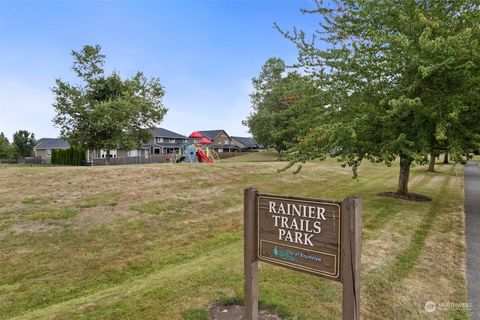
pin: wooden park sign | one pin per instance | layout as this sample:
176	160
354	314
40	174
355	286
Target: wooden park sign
319	237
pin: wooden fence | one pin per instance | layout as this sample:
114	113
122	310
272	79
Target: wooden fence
162	158
133	160
35	160
8	161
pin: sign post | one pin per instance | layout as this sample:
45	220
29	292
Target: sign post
319	237
352	208
250	255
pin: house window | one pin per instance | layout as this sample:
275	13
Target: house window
48	153
103	153
159	140
219	142
227	142
185	141
171	141
132	153
220	150
195	140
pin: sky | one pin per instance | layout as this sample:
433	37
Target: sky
204	52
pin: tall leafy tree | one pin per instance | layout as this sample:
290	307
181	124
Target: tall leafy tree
105	111
404	78
279	101
23	143
6	150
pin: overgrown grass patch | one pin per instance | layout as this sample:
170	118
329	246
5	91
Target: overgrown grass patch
37	213
52	213
37	200
158	207
255	157
102	199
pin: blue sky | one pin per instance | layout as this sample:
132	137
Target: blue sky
204	52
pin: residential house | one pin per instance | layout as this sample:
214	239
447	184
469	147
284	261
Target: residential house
165	142
44	147
221	141
246	143
117	153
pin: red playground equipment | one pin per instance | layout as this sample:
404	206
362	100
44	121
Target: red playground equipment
198	151
201	157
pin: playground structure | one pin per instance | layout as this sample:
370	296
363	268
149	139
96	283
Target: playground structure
196	152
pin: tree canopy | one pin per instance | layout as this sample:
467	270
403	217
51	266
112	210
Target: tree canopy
279	101
404	78
6	150
23	143
105	111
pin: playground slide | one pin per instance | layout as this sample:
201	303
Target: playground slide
201	156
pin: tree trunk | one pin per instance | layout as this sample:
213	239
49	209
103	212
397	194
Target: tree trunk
445	157
107	157
404	175
278	154
431	165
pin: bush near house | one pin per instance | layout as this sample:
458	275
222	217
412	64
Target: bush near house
71	156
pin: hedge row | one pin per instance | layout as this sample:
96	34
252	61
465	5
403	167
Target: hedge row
71	156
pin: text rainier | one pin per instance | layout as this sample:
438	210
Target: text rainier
291	226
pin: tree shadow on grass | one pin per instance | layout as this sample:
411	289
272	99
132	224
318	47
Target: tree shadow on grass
409	196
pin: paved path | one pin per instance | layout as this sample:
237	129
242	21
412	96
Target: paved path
472	212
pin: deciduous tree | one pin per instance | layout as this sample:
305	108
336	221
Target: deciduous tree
280	101
6	150
404	78
23	143
105	111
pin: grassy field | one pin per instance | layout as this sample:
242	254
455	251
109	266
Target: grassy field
165	241
254	157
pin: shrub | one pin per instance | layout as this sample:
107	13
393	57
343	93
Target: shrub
72	156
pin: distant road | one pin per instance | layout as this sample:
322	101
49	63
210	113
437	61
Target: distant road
472	212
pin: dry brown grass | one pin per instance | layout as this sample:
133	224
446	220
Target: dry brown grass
162	241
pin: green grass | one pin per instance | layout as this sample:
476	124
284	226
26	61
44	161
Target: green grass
195	314
102	199
52	213
255	157
37	201
166	242
160	206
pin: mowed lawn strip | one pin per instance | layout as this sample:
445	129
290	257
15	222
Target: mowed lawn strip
165	241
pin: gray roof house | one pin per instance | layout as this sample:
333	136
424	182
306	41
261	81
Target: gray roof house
44	147
161	132
211	134
221	141
246	143
165	141
51	143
